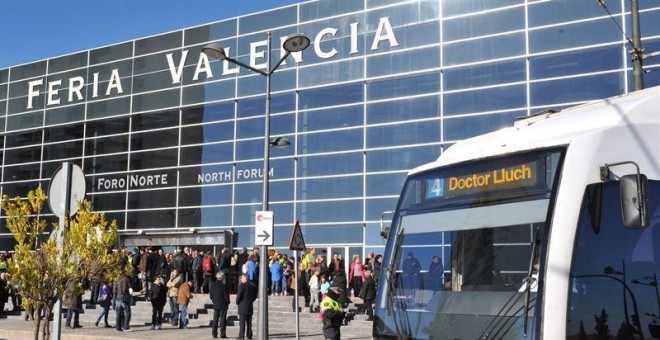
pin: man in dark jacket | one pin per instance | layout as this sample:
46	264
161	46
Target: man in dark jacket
368	294
122	302
247	293
158	295
219	295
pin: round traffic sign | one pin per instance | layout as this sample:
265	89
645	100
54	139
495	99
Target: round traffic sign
56	188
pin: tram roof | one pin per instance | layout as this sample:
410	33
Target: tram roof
549	129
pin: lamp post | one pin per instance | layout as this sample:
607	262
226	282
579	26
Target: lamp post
294	43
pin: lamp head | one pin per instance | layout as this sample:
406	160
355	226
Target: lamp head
214	51
279	142
296	43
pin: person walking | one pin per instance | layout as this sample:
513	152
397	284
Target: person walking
122	304
158	295
333	314
276	276
314	291
219	294
247	293
185	295
173	293
356	276
105	301
73	302
368	294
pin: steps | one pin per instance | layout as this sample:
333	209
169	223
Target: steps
281	318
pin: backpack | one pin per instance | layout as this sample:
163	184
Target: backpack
244	269
207	264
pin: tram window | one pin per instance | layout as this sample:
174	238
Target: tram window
614	274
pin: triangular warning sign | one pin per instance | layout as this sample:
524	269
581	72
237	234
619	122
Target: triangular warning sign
297	242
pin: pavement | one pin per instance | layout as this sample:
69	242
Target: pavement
13	329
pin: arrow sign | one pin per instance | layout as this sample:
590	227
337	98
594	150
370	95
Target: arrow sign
263	228
265	236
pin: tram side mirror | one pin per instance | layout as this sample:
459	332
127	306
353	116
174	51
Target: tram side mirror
635	201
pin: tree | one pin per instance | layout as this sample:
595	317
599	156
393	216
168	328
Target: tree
44	269
601	330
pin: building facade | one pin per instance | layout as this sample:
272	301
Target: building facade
170	139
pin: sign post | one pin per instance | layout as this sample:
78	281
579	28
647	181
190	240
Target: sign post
66	189
263	231
296	242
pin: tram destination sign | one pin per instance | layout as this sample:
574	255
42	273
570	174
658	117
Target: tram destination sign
522	175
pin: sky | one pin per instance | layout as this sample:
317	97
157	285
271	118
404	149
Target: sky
32	30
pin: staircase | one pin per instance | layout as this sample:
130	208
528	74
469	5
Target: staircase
281	318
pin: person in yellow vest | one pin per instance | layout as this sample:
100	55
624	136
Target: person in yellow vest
333	314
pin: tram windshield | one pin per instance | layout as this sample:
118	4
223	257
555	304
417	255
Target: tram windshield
465	250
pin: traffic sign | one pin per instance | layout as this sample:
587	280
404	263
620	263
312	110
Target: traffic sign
57	188
263	231
297	242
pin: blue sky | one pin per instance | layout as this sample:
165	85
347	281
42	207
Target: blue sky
32	30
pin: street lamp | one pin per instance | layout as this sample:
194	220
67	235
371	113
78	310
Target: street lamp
294	43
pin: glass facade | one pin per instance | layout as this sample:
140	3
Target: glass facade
169	138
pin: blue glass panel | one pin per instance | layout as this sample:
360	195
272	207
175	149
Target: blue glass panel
244	215
346	116
404	14
484	49
155	139
283	214
256	106
403	134
209	92
215	132
215	31
576	62
330	141
107	108
404	86
282	124
456	7
158	43
210	153
154	159
289	150
466	127
401	158
334	211
249	149
67	62
156	100
385	184
375	207
208	113
152	199
280	191
67	114
574	35
205	195
321	9
250	171
403	109
204	217
271	19
328	73
109	201
543	13
407	61
484	23
345	163
576	89
248	192
280	81
112	163
498	98
158	120
25	121
4	75
282	168
110	53
28	71
252	127
148	219
333	234
500	72
331	95
327	188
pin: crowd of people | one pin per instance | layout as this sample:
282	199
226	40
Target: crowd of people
176	277
173	278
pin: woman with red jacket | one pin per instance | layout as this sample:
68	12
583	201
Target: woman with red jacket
356	275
